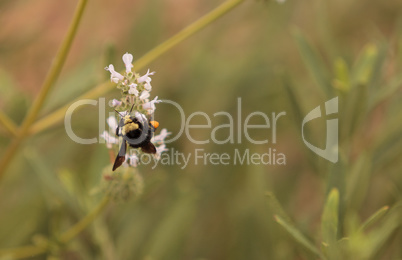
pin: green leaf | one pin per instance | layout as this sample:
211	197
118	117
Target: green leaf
276	207
336	180
377	238
314	63
295	103
353	110
342	77
359	177
329	224
362	246
374	218
298	236
329	221
363	70
294	99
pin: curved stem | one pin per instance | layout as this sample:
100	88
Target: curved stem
83	223
30	251
22	252
186	32
150	56
50	79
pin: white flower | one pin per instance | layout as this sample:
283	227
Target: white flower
133	160
110	140
140	117
114	75
147	86
133	89
146	78
144	95
128	61
161	137
116	103
112	122
159	150
150	106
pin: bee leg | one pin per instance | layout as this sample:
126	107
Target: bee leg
121	156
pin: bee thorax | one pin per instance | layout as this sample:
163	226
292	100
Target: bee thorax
129	127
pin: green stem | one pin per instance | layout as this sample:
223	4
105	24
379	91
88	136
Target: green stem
153	54
58	115
50	79
30	251
83	223
8	124
186	32
22	252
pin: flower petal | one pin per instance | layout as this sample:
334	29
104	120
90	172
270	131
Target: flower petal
144	95
116	103
133	160
146	78
147	86
112	122
128	61
161	136
110	140
159	150
114	75
141	117
133	89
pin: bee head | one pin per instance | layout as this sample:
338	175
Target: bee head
127	119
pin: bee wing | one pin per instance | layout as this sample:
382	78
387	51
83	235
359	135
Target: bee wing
118	131
119	126
121	156
148	147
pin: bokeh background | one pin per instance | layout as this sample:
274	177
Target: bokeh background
257	52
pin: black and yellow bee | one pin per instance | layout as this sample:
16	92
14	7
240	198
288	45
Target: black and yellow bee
137	132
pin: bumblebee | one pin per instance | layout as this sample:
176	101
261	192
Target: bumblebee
137	132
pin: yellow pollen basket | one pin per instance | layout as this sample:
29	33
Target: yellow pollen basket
131	127
127	120
155	124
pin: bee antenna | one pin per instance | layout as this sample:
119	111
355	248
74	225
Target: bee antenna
118	113
131	108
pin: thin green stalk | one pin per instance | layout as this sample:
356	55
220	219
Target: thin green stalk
8	124
22	252
30	251
188	31
58	115
50	79
83	223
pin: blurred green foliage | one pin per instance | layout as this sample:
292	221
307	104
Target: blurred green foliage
313	208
